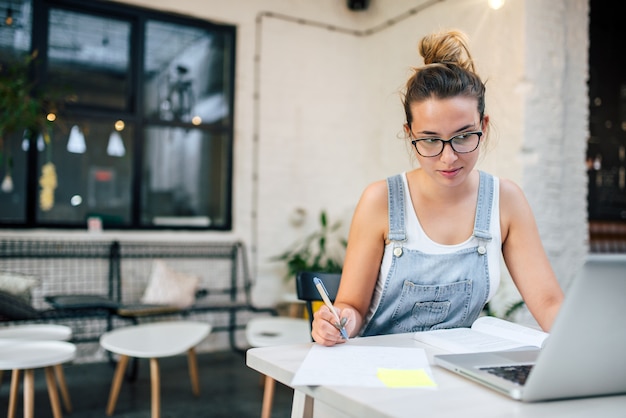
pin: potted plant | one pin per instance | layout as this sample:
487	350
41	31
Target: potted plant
24	108
320	251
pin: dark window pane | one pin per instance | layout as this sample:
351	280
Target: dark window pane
16	37
93	166
185	178
13	153
89	56
187	74
175	96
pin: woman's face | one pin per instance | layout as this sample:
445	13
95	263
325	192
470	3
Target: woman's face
446	118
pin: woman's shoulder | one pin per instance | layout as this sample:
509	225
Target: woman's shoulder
375	191
379	188
513	203
509	190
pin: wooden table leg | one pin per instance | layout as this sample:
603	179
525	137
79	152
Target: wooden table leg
192	361
29	393
52	392
117	383
15	387
155	383
65	395
268	397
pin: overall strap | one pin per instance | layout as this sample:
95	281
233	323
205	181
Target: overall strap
483	210
395	201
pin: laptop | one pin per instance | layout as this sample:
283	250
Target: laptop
585	354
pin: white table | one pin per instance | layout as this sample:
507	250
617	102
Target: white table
455	396
40	332
152	341
26	355
275	330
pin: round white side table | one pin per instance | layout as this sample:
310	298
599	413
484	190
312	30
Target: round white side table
45	332
154	340
275	330
40	332
21	354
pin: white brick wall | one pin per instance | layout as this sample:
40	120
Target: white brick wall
330	114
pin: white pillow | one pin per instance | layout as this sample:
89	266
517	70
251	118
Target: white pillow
18	284
169	287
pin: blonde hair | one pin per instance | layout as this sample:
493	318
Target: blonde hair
448	71
447	47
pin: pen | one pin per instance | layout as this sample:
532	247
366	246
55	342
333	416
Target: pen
324	294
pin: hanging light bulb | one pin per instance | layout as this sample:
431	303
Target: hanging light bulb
76	142
8	20
496	4
7	183
115	148
41	145
25	140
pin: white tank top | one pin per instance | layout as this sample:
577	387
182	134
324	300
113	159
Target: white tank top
421	242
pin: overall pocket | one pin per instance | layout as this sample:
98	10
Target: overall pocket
422	307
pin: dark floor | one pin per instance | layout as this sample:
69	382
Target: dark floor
228	388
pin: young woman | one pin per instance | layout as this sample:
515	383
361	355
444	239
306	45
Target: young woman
424	247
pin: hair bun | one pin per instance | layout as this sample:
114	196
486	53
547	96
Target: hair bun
448	47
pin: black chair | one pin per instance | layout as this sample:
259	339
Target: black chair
307	292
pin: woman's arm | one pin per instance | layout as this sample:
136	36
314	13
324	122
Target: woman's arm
366	242
525	256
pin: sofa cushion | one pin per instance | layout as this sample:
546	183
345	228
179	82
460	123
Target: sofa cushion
169	287
15	308
18	284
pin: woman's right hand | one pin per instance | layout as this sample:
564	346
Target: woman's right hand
325	332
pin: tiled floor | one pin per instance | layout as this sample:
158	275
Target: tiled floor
228	388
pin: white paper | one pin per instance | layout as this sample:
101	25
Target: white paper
354	365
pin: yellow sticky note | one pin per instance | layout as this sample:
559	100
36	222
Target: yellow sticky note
395	378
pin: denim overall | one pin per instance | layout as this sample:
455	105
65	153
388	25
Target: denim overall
433	291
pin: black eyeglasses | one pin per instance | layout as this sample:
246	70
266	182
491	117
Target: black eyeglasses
461	144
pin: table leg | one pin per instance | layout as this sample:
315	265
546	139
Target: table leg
29	393
155	383
268	397
15	387
302	405
52	392
192	361
117	384
65	395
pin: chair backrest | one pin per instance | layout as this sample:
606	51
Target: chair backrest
307	292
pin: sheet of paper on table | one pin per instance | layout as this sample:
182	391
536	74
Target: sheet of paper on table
365	366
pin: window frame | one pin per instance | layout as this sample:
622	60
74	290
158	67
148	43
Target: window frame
138	18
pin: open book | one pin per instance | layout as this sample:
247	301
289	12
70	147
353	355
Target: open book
487	333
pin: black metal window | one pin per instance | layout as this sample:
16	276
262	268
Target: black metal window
145	139
606	148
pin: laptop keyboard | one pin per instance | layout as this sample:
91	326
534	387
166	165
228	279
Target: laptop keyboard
516	374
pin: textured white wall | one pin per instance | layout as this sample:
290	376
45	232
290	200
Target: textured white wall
555	129
329	113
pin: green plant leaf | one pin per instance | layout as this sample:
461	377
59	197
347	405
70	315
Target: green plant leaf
321	250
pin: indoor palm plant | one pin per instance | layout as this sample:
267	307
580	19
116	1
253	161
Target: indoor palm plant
22	107
29	108
320	251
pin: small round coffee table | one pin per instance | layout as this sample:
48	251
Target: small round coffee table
40	332
154	340
20	354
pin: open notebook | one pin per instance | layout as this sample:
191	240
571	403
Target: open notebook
584	354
